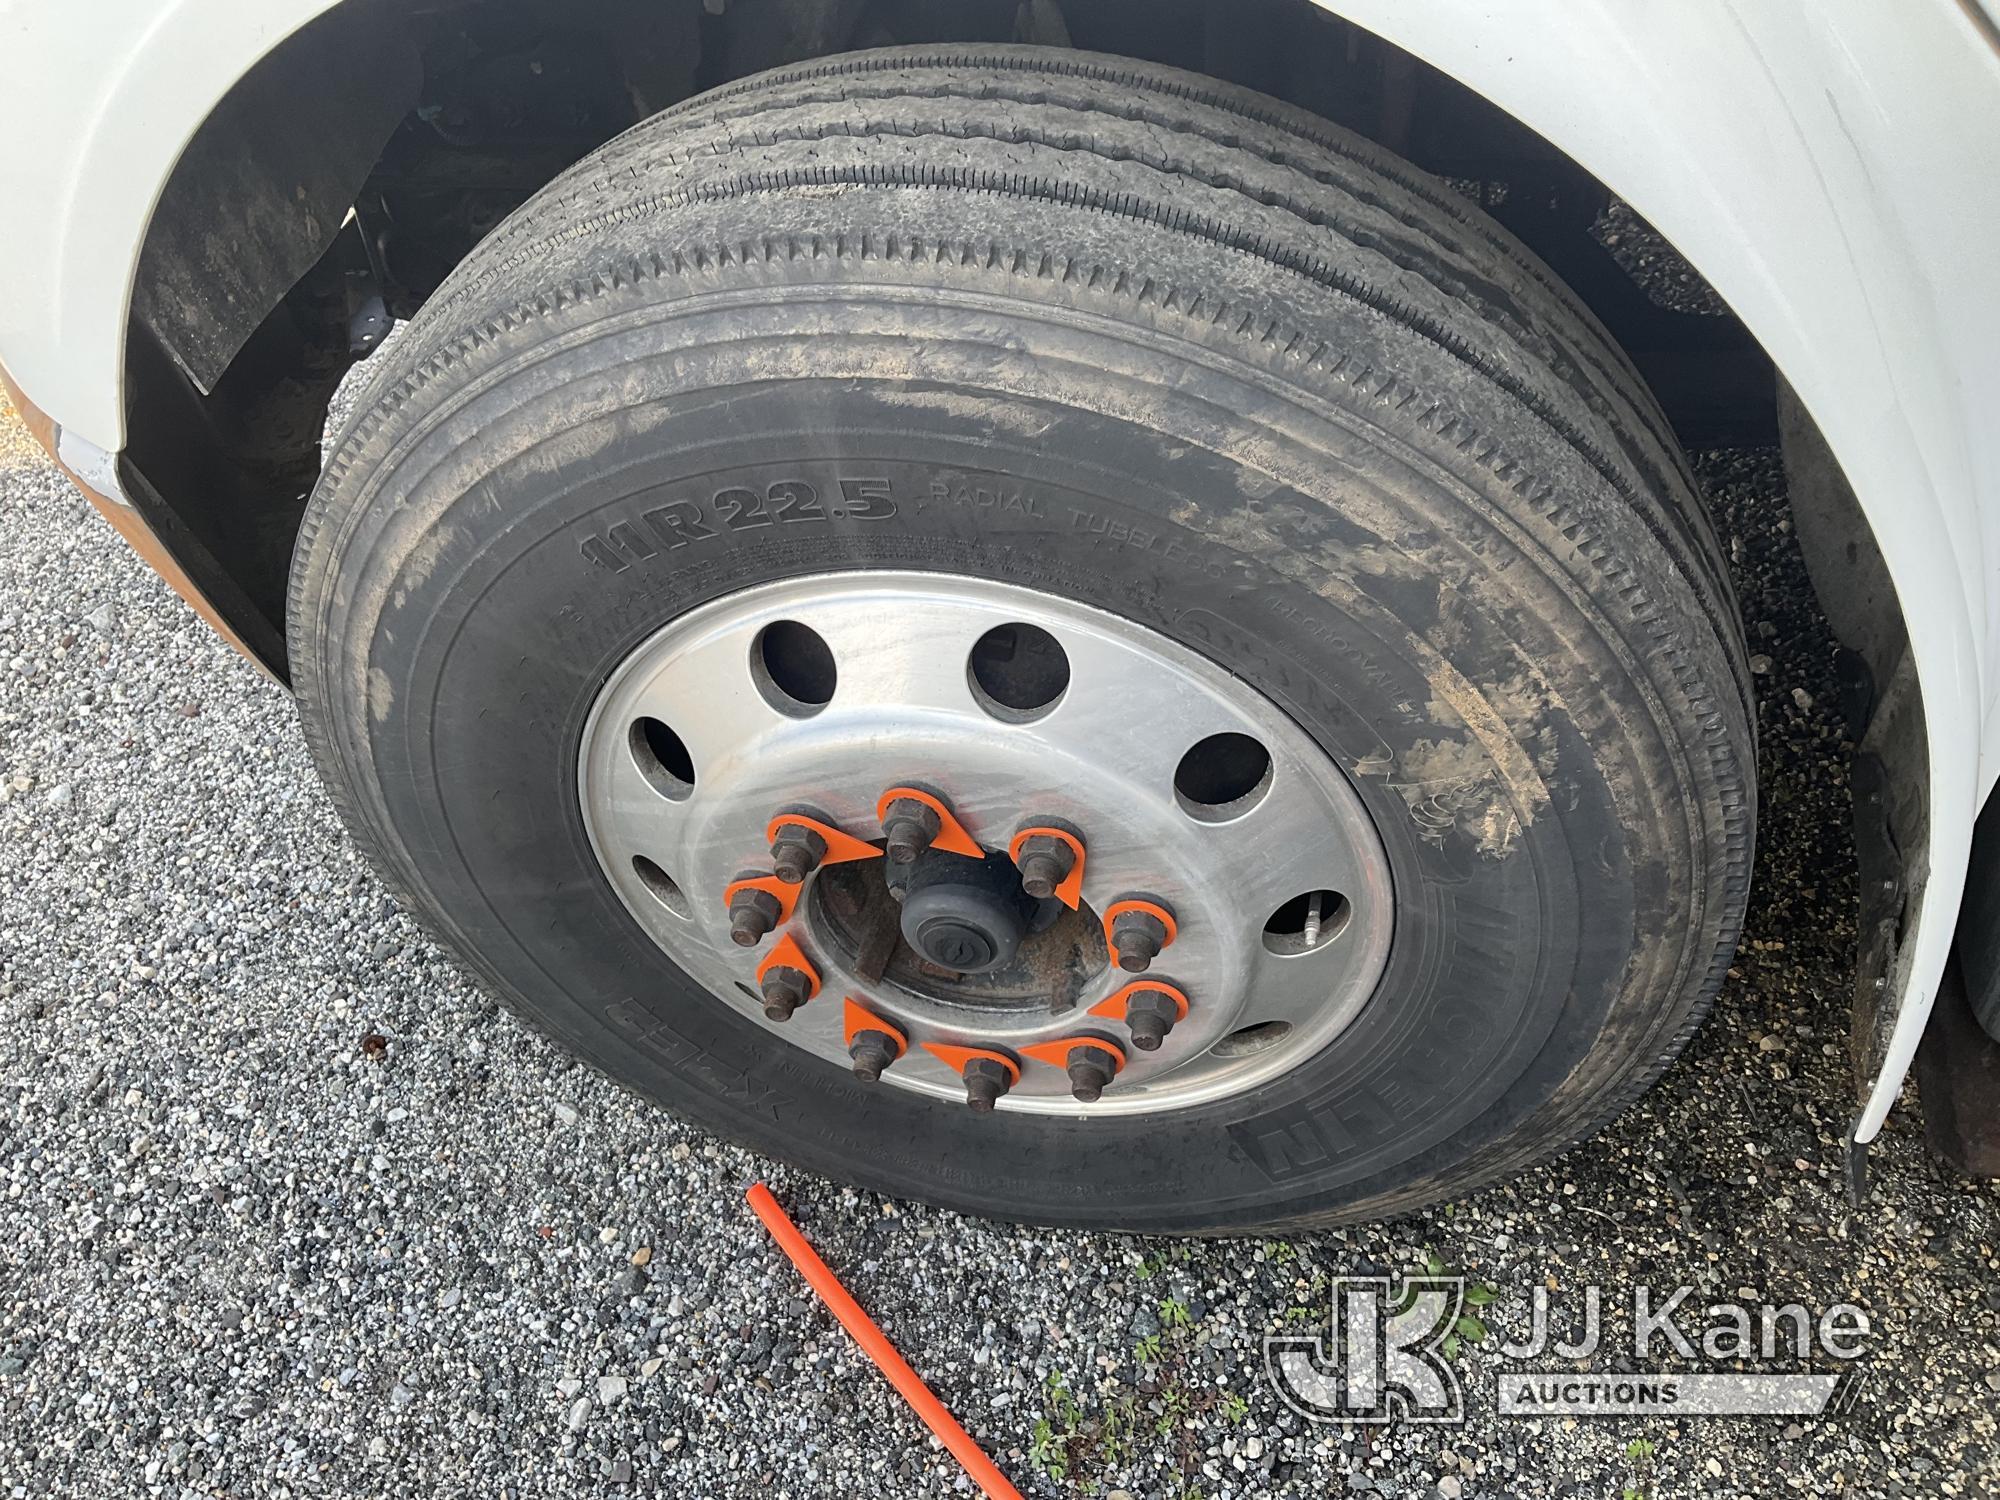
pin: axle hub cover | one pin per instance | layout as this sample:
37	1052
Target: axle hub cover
966	914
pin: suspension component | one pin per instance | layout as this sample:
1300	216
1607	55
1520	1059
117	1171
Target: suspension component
872	1043
1150	1008
801	843
1135	930
786	979
914	820
1091	1062
987	1074
1051	863
757	904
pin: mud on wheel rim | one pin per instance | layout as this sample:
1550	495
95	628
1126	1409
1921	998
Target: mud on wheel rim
1204	815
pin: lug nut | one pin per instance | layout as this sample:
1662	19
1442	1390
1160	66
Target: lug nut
784	989
872	1052
1138	936
752	914
986	1079
796	852
1151	1015
908	829
1090	1070
1044	862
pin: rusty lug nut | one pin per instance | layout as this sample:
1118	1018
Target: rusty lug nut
872	1052
752	913
1150	1014
1138	936
1090	1070
908	829
784	989
796	852
1044	863
985	1081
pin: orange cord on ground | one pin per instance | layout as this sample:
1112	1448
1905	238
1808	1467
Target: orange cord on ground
909	1385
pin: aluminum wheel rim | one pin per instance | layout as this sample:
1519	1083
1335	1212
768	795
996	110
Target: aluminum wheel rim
1102	759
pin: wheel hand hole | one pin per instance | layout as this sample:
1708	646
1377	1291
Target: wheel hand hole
1248	1041
1222	777
662	758
661	884
1018	672
1306	922
793	667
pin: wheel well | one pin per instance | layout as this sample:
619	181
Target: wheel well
346	175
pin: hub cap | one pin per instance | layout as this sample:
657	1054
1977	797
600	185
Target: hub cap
1194	801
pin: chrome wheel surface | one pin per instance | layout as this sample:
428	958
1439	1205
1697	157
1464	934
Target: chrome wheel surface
1189	794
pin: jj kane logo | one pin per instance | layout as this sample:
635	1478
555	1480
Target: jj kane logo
1383	1356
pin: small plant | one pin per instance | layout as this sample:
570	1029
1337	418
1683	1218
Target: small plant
1469	1328
1053	1439
1048	1452
1062	1405
1639	1456
1158	1415
1114	1439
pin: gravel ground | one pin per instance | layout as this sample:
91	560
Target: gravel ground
287	1206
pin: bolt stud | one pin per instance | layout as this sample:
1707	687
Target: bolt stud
1150	1015
907	829
872	1052
1138	936
1044	862
1090	1069
796	852
985	1081
752	914
784	989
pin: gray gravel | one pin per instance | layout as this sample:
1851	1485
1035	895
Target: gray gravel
288	1207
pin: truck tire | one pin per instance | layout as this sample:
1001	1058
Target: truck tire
1064	443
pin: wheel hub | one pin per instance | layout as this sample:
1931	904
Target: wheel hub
966	916
986	844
